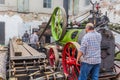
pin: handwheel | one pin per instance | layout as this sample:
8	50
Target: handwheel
69	55
58	23
53	57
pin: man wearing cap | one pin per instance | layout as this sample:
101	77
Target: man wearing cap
90	54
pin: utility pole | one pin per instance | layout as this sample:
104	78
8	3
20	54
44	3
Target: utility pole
72	7
65	5
93	11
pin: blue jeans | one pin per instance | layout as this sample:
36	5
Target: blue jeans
89	69
33	46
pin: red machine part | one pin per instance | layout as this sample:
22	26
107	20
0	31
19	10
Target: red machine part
97	6
53	56
69	55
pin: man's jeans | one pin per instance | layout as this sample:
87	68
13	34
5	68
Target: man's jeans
89	69
33	46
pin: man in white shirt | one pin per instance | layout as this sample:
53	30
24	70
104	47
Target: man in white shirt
34	40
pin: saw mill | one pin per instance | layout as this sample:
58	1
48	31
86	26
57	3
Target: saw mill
59	39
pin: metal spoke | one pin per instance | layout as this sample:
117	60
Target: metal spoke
69	60
78	70
74	73
67	53
73	52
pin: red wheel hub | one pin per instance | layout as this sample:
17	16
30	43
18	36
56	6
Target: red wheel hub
69	55
71	61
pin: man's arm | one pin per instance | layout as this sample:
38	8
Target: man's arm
83	46
78	56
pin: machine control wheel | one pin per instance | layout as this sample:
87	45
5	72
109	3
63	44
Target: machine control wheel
69	55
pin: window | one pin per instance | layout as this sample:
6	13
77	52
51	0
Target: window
23	5
47	3
2	1
87	2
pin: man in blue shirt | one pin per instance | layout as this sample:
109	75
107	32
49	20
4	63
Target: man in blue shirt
26	37
90	54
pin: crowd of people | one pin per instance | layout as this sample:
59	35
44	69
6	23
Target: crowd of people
32	39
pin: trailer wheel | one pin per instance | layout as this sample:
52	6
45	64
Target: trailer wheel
69	55
53	57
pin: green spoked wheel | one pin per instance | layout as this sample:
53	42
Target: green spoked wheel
58	23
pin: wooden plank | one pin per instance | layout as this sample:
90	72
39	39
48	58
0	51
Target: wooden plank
11	49
26	57
27	52
2	48
33	51
14	48
13	78
24	51
17	51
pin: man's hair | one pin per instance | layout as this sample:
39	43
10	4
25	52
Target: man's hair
90	26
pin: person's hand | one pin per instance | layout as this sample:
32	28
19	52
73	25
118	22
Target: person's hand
38	44
77	62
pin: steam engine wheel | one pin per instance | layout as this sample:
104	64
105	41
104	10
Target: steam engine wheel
69	55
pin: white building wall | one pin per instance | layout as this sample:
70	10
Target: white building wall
11	26
34	6
78	7
84	8
9	5
37	6
57	3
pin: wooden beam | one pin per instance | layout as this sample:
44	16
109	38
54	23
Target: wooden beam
33	52
17	51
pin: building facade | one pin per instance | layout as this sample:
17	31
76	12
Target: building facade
37	6
23	15
43	6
